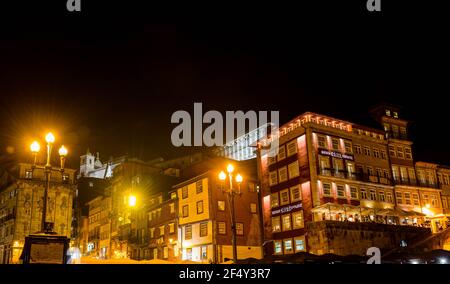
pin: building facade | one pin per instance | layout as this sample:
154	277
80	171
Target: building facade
21	200
328	169
204	231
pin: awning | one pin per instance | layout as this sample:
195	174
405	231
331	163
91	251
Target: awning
328	207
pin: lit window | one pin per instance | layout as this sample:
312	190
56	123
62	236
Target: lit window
297	220
276	225
273	178
335	144
388	112
326	189
240	229
296	194
395	114
284	197
281	153
173	195
171	228
278	247
286	222
221	205
434	200
288	246
321	141
253	208
29	174
272	160
293	170
274	202
172	208
222	227
291	148
282	173
299	243
204	252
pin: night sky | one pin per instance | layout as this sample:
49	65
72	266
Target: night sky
110	77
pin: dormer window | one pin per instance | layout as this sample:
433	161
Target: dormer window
388	112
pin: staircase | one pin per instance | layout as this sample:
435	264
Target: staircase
420	244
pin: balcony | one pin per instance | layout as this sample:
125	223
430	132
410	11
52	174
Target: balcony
353	176
415	183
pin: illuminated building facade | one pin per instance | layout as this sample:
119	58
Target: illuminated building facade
21	199
332	170
204	232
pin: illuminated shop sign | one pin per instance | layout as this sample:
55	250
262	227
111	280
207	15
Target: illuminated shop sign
335	154
287	209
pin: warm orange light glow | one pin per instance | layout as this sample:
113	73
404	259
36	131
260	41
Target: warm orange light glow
222	175
132	200
63	151
230	168
239	178
35	147
427	205
50	138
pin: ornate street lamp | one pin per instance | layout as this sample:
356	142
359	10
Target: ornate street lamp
35	148
231	192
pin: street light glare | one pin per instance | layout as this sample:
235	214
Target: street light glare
132	200
63	151
50	138
230	168
239	178
222	175
35	147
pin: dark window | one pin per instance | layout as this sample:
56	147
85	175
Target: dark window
185	210
199	186
203	229
188	232
200	207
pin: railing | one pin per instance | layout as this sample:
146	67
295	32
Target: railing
375	179
354	176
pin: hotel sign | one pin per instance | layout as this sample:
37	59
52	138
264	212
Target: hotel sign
286	209
336	154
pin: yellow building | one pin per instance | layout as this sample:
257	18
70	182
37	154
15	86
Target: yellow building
21	199
204	233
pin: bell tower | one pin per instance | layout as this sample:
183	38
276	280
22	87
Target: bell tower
87	163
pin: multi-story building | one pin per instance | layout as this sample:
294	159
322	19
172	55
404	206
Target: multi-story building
21	199
328	169
163	228
99	227
204	232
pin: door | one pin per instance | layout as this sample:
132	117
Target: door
155	253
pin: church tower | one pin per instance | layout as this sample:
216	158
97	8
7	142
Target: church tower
87	163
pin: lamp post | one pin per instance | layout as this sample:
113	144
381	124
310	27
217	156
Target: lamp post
231	192
47	168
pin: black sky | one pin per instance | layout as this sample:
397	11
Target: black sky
110	77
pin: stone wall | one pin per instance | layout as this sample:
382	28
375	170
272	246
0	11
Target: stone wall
344	238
